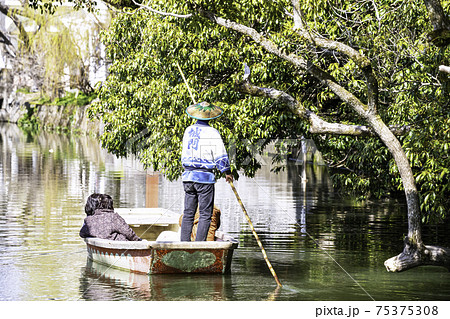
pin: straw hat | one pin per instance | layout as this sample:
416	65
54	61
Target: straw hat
204	111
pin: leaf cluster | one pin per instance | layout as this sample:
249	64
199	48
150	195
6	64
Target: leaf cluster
57	50
392	34
143	100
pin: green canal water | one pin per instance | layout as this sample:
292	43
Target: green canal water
322	247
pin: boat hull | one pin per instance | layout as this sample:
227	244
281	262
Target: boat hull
163	257
153	256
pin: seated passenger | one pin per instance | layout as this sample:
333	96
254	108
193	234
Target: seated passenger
215	224
103	222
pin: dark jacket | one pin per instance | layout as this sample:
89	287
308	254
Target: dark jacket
107	224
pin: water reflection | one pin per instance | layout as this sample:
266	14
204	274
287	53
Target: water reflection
311	235
100	282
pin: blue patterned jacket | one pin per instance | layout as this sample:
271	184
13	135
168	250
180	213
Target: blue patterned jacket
203	150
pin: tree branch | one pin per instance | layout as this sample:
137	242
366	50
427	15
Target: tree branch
444	68
295	60
440	36
317	124
161	12
11	14
360	60
5	39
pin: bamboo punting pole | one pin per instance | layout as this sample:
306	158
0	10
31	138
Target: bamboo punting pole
185	82
256	235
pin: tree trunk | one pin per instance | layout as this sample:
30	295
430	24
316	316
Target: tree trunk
440	36
406	174
438	19
415	253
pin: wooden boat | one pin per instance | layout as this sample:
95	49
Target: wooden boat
151	256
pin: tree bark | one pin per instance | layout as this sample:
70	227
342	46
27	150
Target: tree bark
317	124
438	19
440	36
444	68
412	257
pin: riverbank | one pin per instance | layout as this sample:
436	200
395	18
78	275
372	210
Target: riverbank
50	116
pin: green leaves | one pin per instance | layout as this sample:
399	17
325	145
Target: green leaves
143	100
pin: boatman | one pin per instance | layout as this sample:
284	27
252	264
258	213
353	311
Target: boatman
203	151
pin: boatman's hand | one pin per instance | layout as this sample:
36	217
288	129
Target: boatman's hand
229	178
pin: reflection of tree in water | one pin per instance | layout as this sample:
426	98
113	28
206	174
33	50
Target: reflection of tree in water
340	223
56	168
283	200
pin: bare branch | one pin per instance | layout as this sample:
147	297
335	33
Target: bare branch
12	15
444	68
295	60
360	60
161	12
317	124
5	39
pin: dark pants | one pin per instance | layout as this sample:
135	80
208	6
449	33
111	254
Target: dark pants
203	196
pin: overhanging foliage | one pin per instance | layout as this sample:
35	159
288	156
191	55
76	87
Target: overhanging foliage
144	98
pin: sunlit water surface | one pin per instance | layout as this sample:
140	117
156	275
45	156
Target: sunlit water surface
321	246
